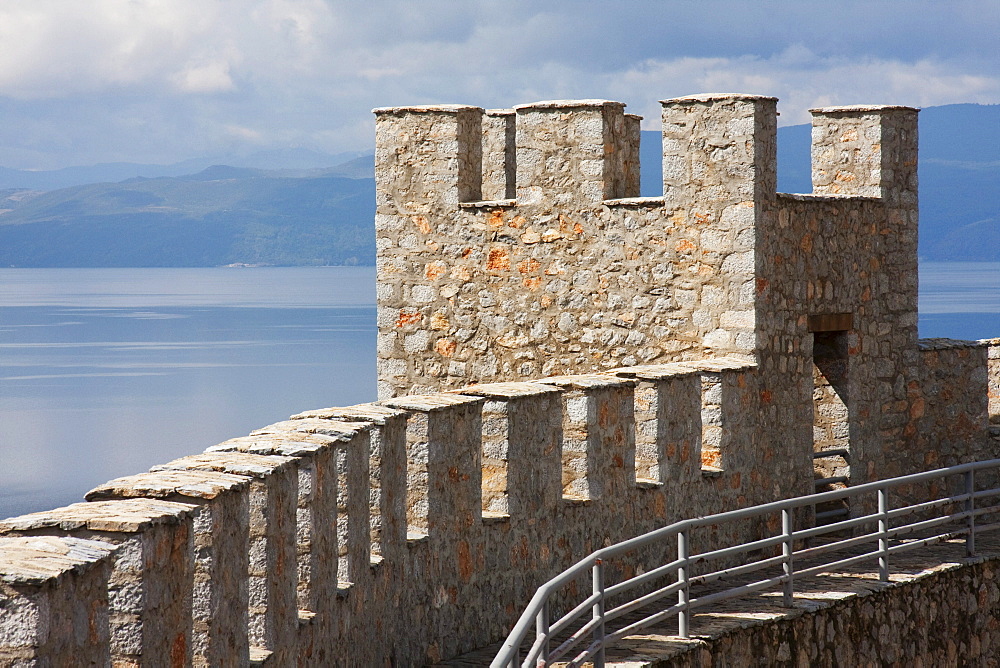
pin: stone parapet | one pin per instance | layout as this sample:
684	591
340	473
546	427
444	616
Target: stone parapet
993	369
508	483
271	586
866	150
150	586
522	437
577	275
562	365
948	411
221	528
54	601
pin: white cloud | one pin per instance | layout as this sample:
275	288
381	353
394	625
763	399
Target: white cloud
59	48
161	80
802	80
243	133
209	78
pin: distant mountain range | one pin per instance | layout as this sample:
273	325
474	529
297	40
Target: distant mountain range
291	159
218	216
301	207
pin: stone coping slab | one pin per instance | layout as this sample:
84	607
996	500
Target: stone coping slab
488	203
635	201
35	560
654	371
342	431
288	443
569	104
430	402
237	463
426	109
506	390
711	365
809	197
860	108
715	97
718	364
362	412
588	381
118	515
162	484
948	344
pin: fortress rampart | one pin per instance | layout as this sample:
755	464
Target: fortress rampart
562	365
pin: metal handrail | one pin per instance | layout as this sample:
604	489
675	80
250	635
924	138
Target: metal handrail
538	610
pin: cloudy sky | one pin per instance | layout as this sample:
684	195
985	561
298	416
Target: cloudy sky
160	81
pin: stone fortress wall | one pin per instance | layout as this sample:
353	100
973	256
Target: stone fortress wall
562	365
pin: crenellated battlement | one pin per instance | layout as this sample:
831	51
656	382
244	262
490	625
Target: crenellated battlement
352	527
567	152
576	274
387	507
562	365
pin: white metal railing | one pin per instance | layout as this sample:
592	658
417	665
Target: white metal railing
944	517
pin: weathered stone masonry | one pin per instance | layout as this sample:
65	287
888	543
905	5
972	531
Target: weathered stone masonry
576	275
562	365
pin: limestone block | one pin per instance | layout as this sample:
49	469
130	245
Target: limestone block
351	467
54	598
866	150
273	616
221	540
387	467
149	588
598	447
521	447
572	149
426	156
316	546
444	451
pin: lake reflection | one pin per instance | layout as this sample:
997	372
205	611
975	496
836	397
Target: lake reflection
106	372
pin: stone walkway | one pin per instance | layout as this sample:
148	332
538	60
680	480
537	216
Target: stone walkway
660	642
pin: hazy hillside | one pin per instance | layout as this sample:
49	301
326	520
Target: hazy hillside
222	215
298	212
297	159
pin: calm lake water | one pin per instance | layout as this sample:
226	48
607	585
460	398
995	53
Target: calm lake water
960	300
106	372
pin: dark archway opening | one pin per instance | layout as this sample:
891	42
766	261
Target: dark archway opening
831	425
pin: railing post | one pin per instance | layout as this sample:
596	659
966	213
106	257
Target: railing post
542	631
883	530
788	587
684	593
599	612
970	507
